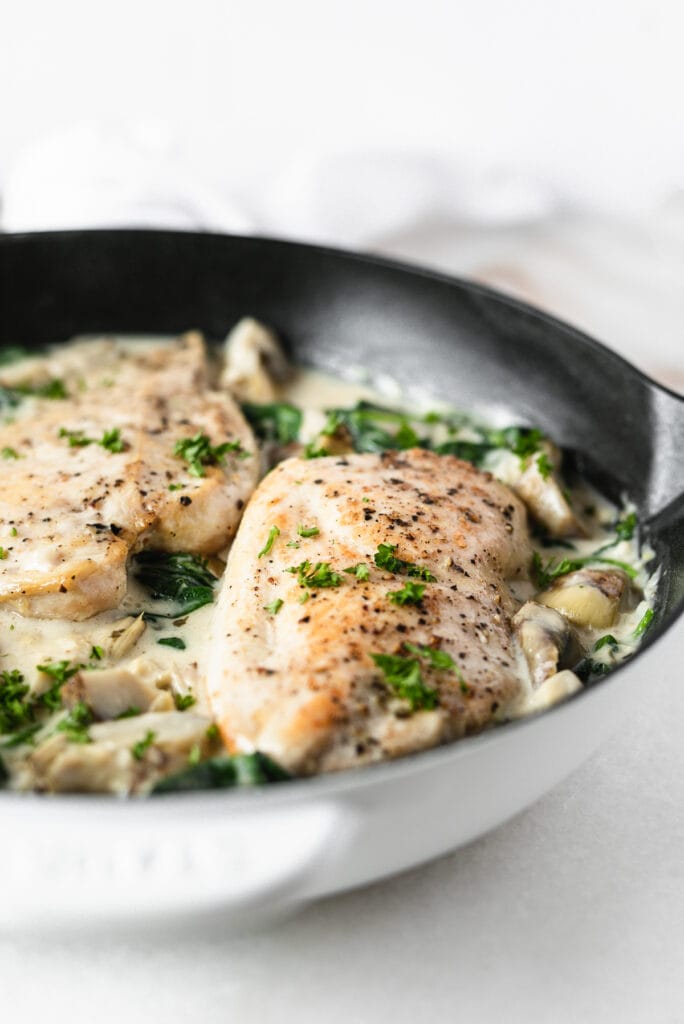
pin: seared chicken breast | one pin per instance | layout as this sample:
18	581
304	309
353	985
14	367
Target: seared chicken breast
365	610
139	453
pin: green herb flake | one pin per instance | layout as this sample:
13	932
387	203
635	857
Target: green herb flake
307	531
60	672
404	676
112	441
312	452
16	710
606	641
385	558
176	487
315	576
138	749
75	723
183	701
545	466
546	573
198	452
13	532
96	653
9	453
130	712
274	607
361	571
4	553
272	534
626	526
410	593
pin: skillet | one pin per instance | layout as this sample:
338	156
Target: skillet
259	852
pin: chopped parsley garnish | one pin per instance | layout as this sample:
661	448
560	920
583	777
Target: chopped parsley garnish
545	466
436	658
274	607
312	452
404	676
172	641
385	558
13	531
272	534
24	735
644	622
224	772
9	453
625	527
274	421
60	672
198	452
307	531
180	577
111	440
293	544
176	487
410	593
314	576
96	652
183	701
138	749
4	553
16	711
75	723
361	571
130	712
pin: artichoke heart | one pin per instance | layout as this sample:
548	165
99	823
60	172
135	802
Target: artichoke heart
587	597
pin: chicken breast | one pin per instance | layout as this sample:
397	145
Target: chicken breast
92	477
321	657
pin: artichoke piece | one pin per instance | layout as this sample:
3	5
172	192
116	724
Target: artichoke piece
110	692
587	597
254	362
546	639
553	690
540	488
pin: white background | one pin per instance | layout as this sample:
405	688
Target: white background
537	146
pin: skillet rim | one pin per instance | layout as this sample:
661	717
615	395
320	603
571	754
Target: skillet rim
354	778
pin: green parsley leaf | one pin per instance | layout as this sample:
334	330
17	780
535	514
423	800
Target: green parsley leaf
545	466
75	723
625	527
411	593
198	452
4	553
16	711
385	558
312	452
272	534
361	571
307	531
274	607
404	676
176	487
60	672
111	441
138	749
9	453
96	652
130	712
183	701
318	575
274	421
172	641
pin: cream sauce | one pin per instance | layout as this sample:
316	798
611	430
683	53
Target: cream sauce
27	643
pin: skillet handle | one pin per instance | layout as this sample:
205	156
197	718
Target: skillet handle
76	870
666	484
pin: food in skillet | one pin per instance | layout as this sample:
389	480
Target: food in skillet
398	579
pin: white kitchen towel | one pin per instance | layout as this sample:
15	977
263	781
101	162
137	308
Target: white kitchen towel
93	175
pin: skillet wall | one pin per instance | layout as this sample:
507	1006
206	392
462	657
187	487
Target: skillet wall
460	342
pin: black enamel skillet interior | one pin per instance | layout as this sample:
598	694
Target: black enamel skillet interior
451	339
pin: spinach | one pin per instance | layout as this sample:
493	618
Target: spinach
363	422
180	577
224	772
274	421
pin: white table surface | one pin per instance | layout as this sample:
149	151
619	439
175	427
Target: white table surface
572	912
